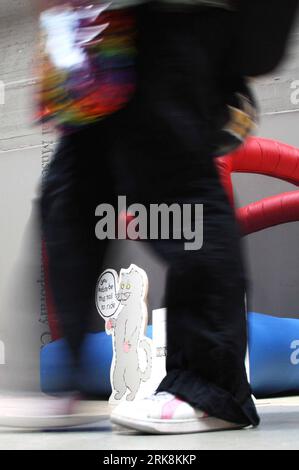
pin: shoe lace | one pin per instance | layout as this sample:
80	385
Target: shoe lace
160	396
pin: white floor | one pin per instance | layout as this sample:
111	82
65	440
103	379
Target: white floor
279	429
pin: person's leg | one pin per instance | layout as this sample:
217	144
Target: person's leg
77	181
206	328
79	178
167	145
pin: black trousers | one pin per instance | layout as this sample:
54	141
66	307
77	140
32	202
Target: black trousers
157	150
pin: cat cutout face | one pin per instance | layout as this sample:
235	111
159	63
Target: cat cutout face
131	287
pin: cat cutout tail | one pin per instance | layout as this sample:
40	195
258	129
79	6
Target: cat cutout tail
146	374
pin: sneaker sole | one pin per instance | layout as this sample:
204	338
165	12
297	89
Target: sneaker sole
159	426
53	422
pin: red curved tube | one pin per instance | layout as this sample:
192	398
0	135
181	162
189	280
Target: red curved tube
269	158
262	156
269	212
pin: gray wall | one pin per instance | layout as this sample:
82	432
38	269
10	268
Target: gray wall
24	149
20	168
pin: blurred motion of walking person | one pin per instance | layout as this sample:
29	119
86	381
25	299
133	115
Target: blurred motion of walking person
180	99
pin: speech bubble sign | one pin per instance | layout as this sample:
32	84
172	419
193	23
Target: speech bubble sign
106	292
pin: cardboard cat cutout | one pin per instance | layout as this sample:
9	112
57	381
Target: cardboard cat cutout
121	301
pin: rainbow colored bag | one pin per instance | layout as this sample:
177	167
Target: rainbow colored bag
86	64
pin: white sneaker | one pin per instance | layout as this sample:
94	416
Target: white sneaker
163	413
43	412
